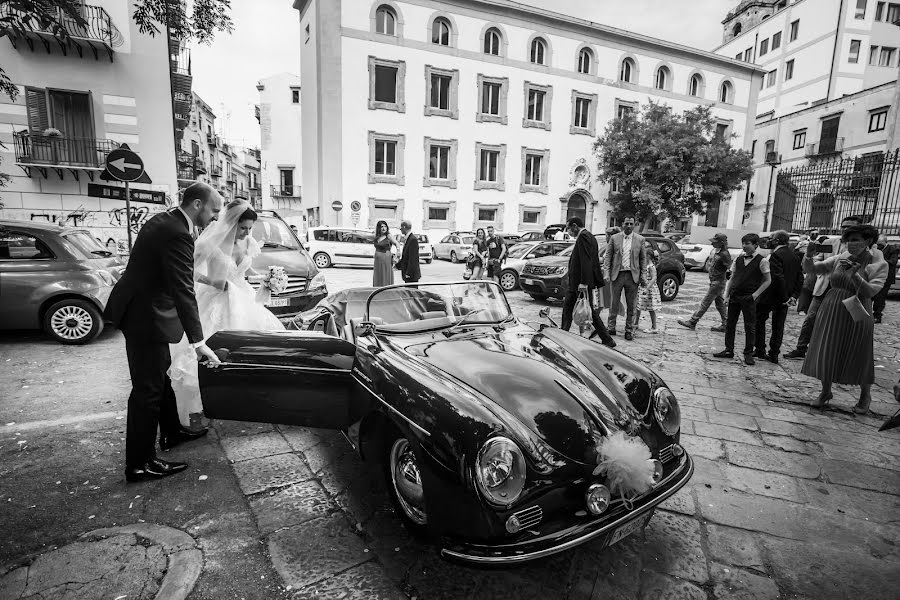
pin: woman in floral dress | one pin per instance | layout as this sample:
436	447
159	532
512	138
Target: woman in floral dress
648	292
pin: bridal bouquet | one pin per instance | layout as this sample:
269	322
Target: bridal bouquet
276	280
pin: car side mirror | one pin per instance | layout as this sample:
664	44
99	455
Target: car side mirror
530	256
544	313
366	328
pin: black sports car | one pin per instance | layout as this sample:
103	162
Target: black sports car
489	430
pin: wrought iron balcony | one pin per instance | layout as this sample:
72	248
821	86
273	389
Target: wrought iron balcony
39	150
96	32
216	171
285	191
825	146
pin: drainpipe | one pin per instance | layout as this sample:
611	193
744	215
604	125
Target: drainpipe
837	36
172	100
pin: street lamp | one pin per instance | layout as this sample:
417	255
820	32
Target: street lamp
773	160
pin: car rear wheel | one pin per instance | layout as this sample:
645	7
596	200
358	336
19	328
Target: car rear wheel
322	260
509	280
428	261
73	322
404	483
668	287
453	258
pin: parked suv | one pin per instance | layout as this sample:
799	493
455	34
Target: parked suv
339	245
55	278
282	248
549	277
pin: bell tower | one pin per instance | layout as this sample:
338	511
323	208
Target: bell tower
748	14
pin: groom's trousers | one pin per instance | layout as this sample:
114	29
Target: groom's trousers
152	403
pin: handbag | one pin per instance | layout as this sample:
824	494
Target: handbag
856	309
581	314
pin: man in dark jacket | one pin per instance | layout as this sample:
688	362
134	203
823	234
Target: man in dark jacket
891	254
585	276
154	306
409	260
787	282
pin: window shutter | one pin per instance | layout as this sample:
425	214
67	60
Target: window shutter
38	115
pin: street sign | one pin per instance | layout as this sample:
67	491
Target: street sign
355	206
124	165
337	205
354	218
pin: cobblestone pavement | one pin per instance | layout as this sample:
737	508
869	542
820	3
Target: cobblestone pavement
786	502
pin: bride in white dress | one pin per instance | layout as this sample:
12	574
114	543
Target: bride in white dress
222	257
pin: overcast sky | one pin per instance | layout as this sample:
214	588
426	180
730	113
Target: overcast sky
266	41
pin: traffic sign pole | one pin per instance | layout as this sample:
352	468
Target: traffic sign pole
128	212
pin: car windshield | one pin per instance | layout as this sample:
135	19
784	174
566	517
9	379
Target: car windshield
274	233
85	245
519	250
423	239
567	251
408	309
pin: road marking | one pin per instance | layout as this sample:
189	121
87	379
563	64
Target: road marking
32	425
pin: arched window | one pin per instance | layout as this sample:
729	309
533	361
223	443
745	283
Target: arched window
696	85
626	73
725	91
737	29
440	32
538	51
585	60
492	41
385	20
662	78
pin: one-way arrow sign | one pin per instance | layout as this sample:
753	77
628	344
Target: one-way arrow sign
124	165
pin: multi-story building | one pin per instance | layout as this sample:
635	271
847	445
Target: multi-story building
194	152
281	150
78	100
825	107
250	159
813	51
460	113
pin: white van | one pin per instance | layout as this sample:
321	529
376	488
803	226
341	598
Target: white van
340	246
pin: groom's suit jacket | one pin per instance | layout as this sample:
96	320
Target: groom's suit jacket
154	300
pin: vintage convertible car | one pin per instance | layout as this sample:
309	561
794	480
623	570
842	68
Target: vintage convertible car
486	427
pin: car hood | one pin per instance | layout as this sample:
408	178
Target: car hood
562	387
293	262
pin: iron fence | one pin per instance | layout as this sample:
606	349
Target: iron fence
820	195
97	25
62	151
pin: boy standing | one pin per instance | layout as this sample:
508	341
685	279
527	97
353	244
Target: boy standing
749	279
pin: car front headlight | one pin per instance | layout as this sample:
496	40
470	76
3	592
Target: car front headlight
500	471
561	270
666	411
317	282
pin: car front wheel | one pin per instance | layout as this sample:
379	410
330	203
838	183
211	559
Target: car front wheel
668	287
322	260
453	258
404	482
509	280
73	322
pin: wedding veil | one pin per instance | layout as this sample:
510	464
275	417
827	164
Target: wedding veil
220	235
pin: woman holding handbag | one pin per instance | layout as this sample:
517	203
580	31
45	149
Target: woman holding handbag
842	346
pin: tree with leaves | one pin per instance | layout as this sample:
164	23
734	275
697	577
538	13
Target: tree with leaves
668	164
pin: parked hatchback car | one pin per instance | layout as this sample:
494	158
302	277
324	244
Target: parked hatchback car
454	247
281	247
54	278
426	252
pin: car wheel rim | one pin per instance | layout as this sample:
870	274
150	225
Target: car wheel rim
71	322
508	281
453	257
407	481
321	261
669	288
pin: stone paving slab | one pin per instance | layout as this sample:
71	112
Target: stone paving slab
291	506
259	474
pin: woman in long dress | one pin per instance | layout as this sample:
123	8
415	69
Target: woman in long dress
842	349
384	262
222	258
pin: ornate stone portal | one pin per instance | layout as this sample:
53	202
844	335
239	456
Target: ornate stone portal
579	202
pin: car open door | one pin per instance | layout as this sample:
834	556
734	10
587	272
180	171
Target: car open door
291	378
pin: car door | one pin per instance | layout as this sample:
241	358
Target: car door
290	378
28	269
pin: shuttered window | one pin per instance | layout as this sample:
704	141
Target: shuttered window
38	113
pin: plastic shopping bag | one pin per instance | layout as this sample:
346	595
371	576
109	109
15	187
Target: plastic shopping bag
581	315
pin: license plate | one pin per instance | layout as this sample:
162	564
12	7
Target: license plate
528	281
278	302
627	529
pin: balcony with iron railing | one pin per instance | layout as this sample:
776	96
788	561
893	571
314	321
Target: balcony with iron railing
94	31
40	150
285	191
216	171
825	147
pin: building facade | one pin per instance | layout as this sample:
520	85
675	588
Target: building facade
78	100
459	114
281	150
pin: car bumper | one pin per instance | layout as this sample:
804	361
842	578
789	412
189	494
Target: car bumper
542	286
297	303
568	537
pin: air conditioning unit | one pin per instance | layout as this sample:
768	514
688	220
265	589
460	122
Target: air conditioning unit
773	158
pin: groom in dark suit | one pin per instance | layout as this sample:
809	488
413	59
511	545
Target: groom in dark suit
409	260
154	306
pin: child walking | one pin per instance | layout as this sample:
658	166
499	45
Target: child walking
648	292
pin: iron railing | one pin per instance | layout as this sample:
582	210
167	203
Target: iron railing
818	196
216	171
62	151
825	146
97	25
285	191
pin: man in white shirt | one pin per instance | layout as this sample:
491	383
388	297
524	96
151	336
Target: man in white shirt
623	267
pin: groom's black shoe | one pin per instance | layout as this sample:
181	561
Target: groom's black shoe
167	442
154	469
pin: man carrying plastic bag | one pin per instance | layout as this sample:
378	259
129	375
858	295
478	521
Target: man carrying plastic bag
585	281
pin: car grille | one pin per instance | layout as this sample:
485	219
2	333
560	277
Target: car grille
295	285
667	454
536	270
529	517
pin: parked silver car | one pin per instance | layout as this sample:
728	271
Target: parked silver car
55	278
520	254
454	247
